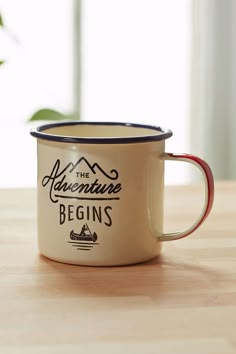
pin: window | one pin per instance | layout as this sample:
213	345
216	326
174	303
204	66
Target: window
135	67
37	74
136	61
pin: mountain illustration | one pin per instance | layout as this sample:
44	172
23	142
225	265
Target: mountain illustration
95	168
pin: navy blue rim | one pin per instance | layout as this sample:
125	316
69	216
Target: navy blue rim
40	133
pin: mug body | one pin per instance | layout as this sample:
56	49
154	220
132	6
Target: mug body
100	202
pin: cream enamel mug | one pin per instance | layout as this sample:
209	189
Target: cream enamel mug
100	192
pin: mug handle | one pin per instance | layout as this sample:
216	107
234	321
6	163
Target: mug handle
209	193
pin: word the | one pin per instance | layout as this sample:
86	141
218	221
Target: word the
82	174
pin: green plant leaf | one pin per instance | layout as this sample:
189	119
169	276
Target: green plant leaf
48	114
1	21
2	62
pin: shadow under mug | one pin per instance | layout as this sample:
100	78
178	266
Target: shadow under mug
101	191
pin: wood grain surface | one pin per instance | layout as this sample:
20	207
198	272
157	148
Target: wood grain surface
182	302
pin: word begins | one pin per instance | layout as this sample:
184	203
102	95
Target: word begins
72	212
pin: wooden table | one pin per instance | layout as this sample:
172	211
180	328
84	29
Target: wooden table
183	302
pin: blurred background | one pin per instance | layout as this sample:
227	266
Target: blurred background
163	62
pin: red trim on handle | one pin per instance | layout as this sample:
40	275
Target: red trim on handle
210	184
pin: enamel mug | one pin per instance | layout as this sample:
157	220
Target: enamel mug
100	192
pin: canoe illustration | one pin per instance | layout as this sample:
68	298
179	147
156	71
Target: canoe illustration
84	235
